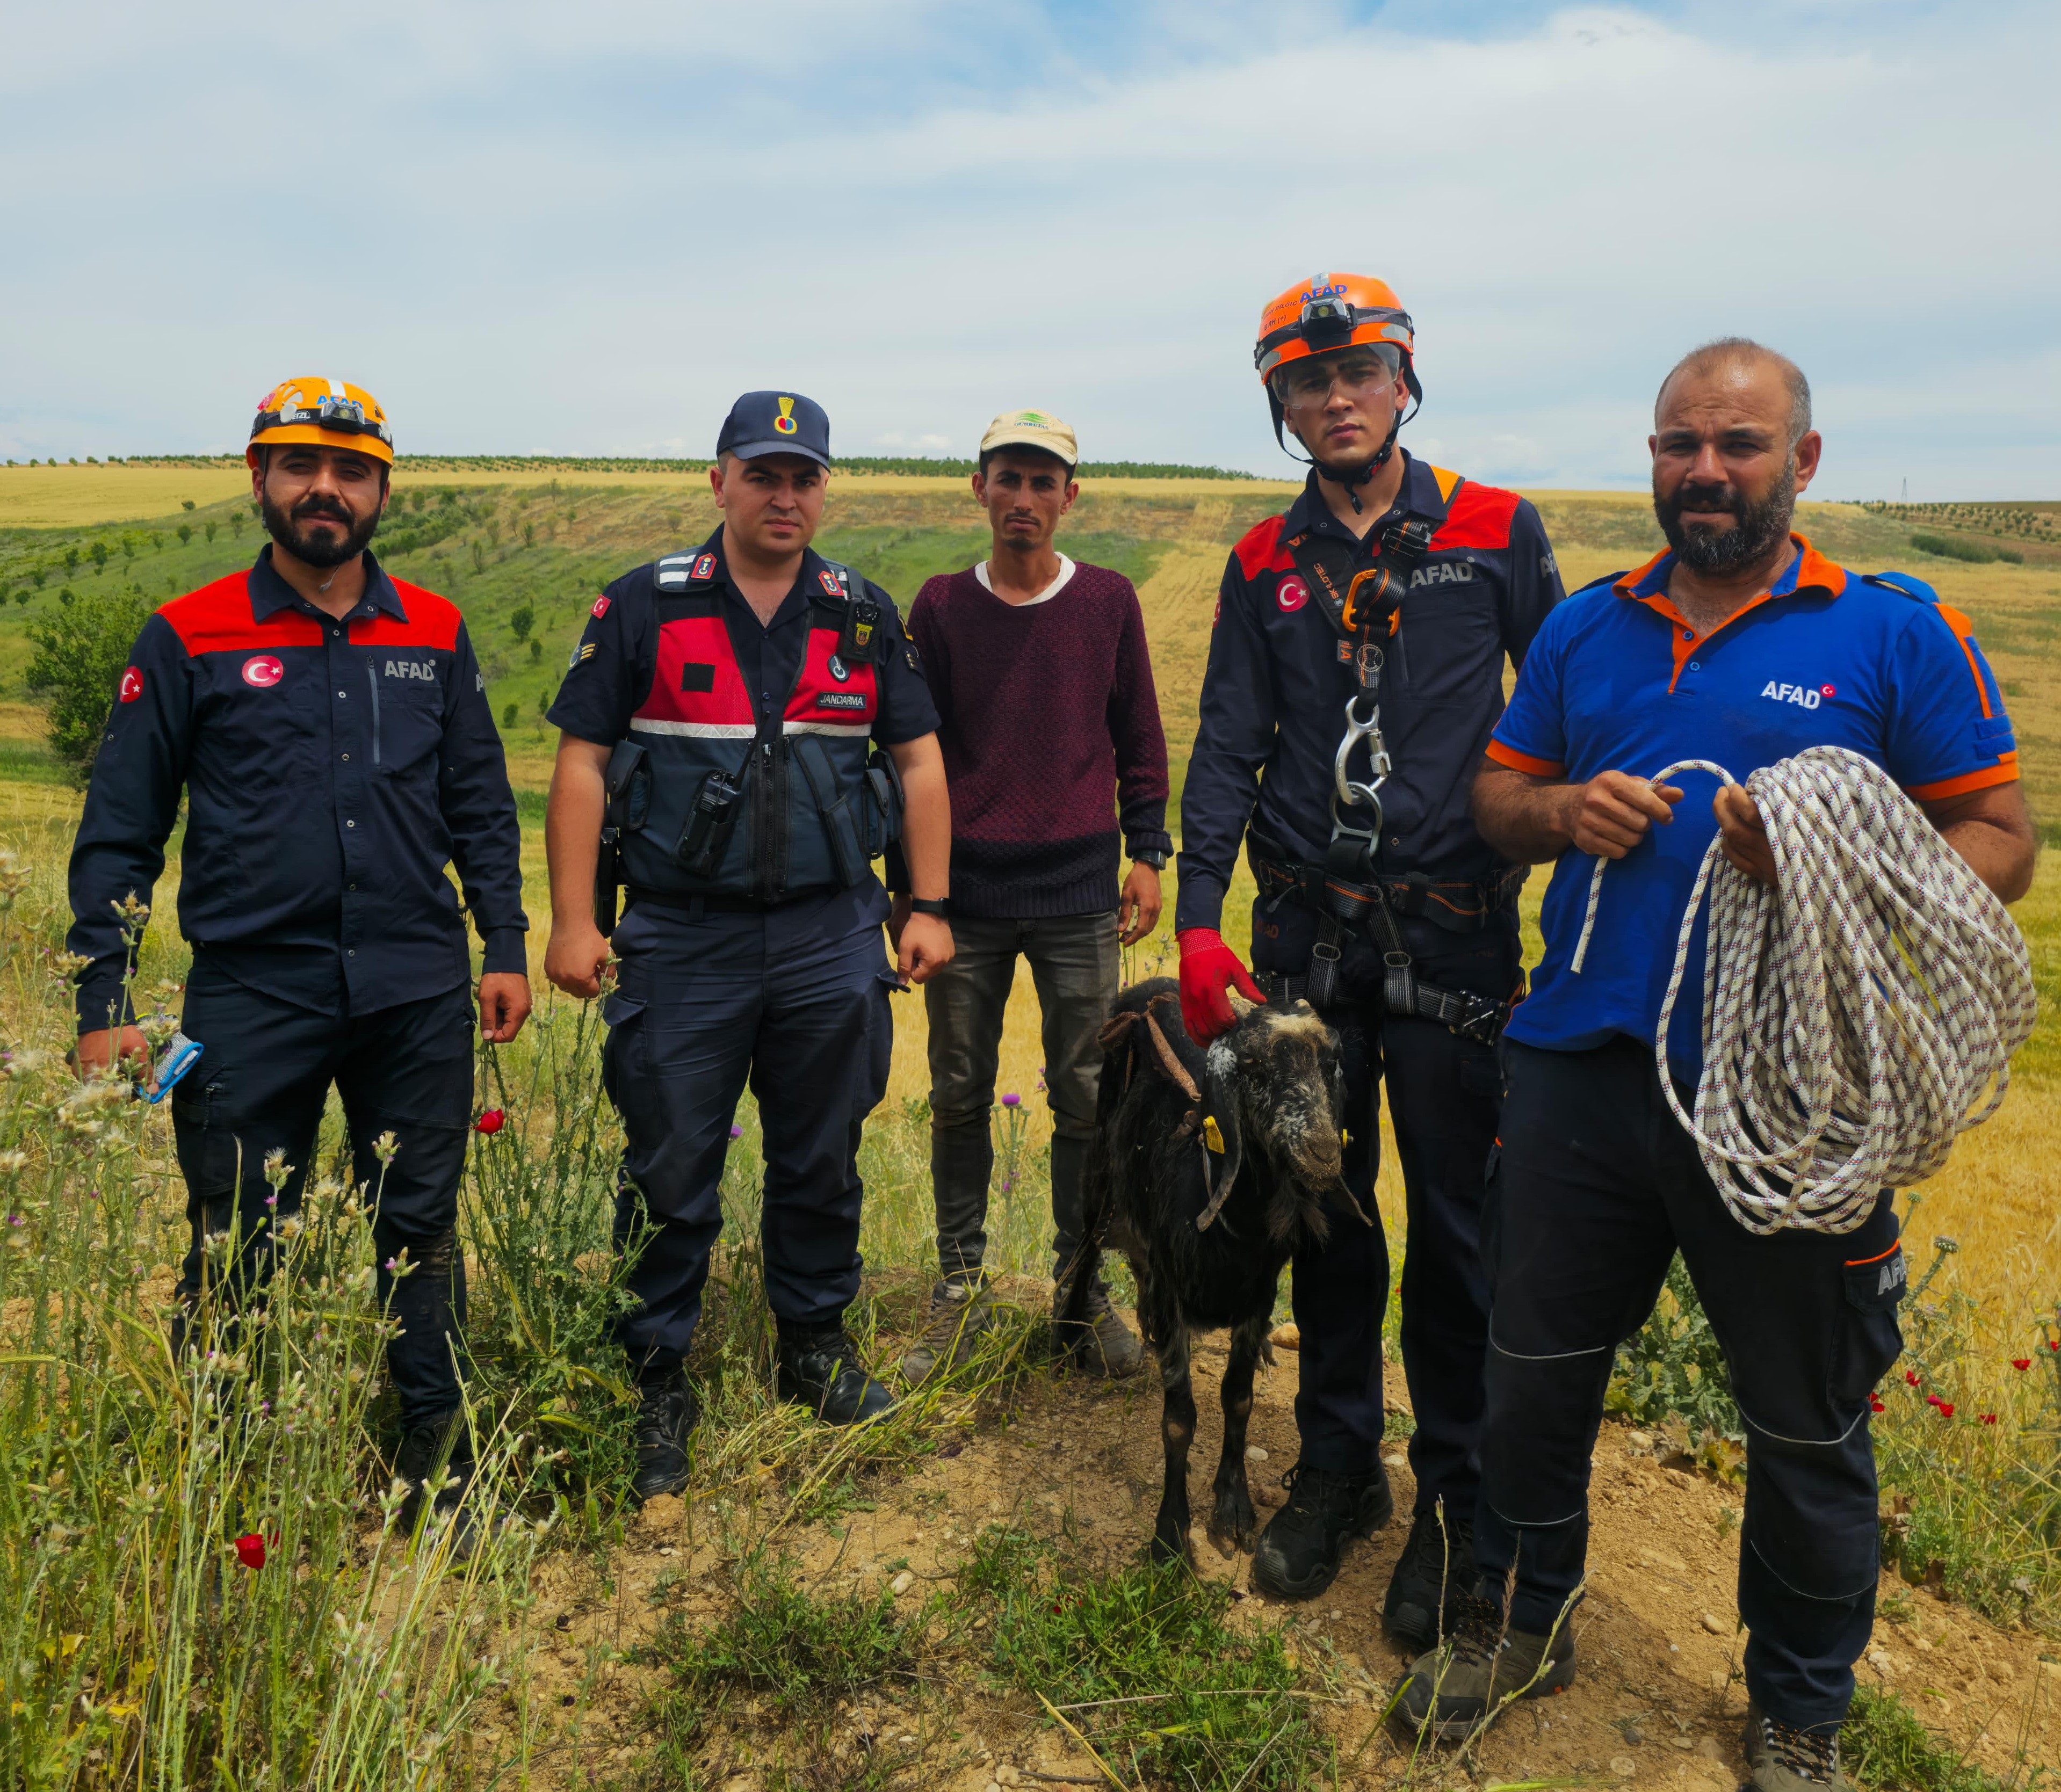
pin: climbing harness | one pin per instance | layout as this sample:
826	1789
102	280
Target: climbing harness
1858	1016
1348	891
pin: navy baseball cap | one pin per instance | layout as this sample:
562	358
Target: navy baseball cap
775	423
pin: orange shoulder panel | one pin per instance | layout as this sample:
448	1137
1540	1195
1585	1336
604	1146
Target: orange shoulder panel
216	619
1480	517
1259	550
432	621
1964	632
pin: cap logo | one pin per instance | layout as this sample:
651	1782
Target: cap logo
785	422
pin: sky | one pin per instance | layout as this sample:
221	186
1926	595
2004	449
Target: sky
533	228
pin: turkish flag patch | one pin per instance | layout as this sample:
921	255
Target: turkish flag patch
1291	593
263	671
132	685
600	607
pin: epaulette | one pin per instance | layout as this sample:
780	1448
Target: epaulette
675	572
1904	585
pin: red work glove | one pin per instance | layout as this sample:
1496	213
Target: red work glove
1209	968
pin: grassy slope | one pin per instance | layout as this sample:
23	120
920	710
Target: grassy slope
1171	538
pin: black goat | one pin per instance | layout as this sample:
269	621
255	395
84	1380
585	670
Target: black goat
1208	1169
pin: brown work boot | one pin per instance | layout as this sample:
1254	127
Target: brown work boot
1779	1759
1465	1683
960	1310
1101	1344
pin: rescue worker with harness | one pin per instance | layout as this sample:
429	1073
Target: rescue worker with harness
721	714
1355	671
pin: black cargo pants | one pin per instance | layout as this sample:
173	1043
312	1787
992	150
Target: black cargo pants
1597	1186
1444	1094
264	1074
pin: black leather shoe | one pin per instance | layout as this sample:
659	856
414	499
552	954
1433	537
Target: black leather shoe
1436	1571
667	1411
444	1438
1299	1552
821	1370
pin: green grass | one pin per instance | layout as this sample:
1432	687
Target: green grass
1956	547
1887	1749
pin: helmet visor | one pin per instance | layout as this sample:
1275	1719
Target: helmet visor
1362	369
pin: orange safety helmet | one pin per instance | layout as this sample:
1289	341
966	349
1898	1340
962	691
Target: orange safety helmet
1332	311
331	412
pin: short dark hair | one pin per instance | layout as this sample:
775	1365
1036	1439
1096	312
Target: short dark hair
1707	357
1029	452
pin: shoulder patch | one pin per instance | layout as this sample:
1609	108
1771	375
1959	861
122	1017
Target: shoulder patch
1259	550
1480	517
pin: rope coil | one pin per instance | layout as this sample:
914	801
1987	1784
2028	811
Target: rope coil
1858	1016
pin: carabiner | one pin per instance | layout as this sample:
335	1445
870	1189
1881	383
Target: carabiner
1349	791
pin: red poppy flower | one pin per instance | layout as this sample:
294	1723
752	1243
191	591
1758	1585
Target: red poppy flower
1945	1408
1989	1418
2054	1343
250	1549
2021	1362
1911	1375
1875	1406
492	1120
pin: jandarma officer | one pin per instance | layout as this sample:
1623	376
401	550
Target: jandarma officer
1399	589
1691	657
328	782
720	719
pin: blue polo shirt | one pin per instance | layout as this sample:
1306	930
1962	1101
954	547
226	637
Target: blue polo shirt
1617	680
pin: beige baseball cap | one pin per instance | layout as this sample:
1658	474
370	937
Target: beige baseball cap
1033	429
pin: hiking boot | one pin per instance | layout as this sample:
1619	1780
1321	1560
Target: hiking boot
1102	1344
1464	1684
667	1411
1299	1552
1779	1759
1436	1571
959	1312
444	1440
821	1370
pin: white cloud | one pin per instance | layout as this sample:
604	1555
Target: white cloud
597	227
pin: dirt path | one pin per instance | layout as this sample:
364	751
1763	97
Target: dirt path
1657	1702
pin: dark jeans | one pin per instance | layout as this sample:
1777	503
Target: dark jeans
1444	1094
1599	1186
263	1075
1075	962
793	1000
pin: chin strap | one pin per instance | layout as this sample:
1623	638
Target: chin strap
1352	481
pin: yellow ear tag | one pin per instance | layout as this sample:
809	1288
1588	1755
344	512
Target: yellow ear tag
1212	1134
1345	1138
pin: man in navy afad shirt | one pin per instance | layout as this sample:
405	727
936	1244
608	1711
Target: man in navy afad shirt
328	729
1741	645
1405	589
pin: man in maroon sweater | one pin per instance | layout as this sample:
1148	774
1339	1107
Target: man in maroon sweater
1050	727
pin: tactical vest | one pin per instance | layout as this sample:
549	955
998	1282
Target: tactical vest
743	808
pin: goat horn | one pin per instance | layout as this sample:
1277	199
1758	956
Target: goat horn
1206	1218
1241	1005
1174	1069
1352	1201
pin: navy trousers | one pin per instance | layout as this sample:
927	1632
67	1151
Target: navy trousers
265	1071
1598	1186
1444	1093
794	1001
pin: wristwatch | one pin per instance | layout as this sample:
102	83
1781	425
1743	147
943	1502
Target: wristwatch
939	905
1157	861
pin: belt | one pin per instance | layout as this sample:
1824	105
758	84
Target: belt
694	907
1344	906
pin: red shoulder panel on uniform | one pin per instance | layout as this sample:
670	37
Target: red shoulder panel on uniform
432	621
1480	518
1259	550
216	619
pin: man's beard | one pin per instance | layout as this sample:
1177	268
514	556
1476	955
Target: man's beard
290	531
1756	530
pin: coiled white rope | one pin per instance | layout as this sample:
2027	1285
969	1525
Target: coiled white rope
1855	1013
